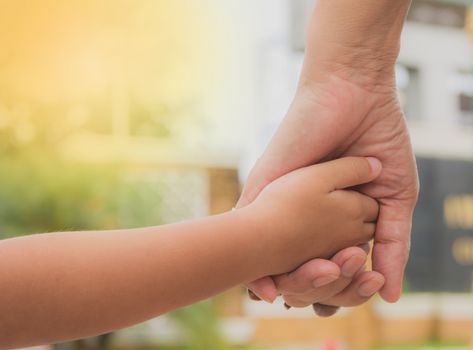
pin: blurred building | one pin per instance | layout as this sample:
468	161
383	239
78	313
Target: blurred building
435	81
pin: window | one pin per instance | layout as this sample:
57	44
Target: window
465	102
407	79
461	85
451	13
439	13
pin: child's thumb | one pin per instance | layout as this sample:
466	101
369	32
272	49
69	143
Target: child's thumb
350	171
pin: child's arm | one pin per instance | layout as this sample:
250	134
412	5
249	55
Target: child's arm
63	286
68	285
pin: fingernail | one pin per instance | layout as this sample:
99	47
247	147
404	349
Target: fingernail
256	297
352	265
253	296
369	288
267	299
322	310
375	164
322	281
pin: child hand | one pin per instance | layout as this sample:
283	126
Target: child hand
312	213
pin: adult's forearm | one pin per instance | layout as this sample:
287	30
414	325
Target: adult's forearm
63	286
359	39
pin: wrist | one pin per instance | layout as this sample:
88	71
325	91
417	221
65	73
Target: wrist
361	66
264	249
358	42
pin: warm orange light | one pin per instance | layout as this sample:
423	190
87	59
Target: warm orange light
54	50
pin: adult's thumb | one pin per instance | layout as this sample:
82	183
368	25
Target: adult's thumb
257	180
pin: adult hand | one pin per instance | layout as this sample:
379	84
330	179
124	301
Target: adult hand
346	105
339	118
352	286
327	284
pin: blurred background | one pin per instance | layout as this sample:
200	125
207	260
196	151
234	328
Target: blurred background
130	113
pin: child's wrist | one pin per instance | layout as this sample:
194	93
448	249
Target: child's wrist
262	242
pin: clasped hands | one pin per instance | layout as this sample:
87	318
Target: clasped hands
329	119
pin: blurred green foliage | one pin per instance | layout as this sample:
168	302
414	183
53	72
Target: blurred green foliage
103	61
38	194
200	326
42	192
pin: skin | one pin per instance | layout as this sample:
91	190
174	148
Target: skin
346	104
65	286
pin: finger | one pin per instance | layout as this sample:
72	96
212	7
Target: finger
264	288
254	185
295	300
364	286
262	174
313	274
349	171
363	206
283	154
369	206
350	268
322	310
307	277
252	295
350	260
391	248
300	290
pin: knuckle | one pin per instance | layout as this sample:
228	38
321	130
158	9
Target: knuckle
355	208
359	211
406	247
310	272
315	296
302	279
290	283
